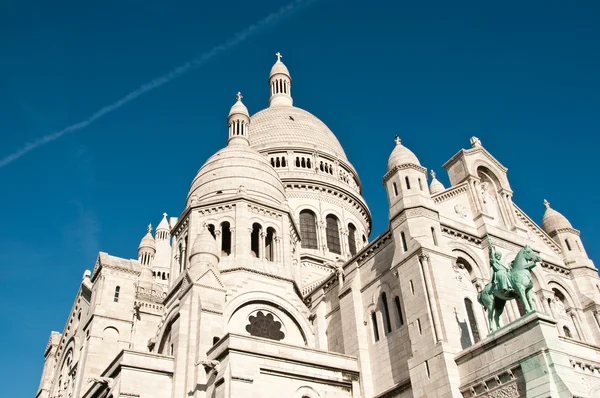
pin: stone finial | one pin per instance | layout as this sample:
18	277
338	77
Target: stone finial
397	140
239	96
149	228
432	174
279	56
165	215
547	204
475	142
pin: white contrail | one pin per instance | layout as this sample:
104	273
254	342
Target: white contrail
162	80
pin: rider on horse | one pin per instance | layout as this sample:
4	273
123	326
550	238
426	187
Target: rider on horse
499	271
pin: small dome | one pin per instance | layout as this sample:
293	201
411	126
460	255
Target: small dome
553	220
148	240
239	108
234	170
401	155
205	244
435	186
279	67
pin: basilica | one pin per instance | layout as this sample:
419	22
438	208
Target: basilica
267	284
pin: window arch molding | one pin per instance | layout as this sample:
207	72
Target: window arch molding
494	174
566	292
266	298
165	334
306	391
460	250
169	319
333	237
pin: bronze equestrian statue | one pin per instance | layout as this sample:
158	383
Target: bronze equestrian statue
508	283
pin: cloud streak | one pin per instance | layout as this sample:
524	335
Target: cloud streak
195	63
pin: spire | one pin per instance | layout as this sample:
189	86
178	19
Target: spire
238	121
280	82
435	186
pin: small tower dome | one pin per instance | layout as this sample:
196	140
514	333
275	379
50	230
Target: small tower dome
204	252
401	155
238	121
553	220
147	248
435	186
148	240
280	82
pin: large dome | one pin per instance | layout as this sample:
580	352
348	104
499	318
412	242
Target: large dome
232	170
289	126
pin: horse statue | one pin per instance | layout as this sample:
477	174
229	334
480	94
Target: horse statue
508	283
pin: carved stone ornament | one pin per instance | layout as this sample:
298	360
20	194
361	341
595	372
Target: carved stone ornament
266	326
460	210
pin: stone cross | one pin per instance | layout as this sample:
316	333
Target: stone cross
547	204
432	174
278	55
397	140
239	96
165	215
149	228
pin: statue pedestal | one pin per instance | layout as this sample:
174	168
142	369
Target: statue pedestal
527	358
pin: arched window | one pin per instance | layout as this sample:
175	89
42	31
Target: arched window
211	229
333	234
183	254
283	163
117	292
433	235
567	332
254	239
297	161
352	239
270	244
399	311
407	182
420	184
308	163
308	229
375	327
404	245
303	163
180	259
568	244
578	246
395	189
225	239
472	321
277	162
386	313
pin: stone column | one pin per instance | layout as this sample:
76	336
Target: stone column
232	231
219	239
321	236
261	244
344	243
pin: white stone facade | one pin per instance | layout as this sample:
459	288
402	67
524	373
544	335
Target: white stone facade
266	285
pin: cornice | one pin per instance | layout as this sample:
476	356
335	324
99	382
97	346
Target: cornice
450	192
404	166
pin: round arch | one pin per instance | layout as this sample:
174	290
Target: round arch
568	295
276	301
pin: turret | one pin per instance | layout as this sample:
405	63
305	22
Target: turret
405	181
238	122
162	258
280	82
147	248
435	186
204	254
560	229
406	184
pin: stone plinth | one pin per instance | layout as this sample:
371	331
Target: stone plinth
256	367
527	358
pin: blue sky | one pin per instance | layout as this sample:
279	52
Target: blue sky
522	77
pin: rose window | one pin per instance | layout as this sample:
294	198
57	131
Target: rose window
266	326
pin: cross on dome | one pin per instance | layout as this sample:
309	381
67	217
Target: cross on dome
239	96
149	228
279	56
547	204
397	140
165	215
432	174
